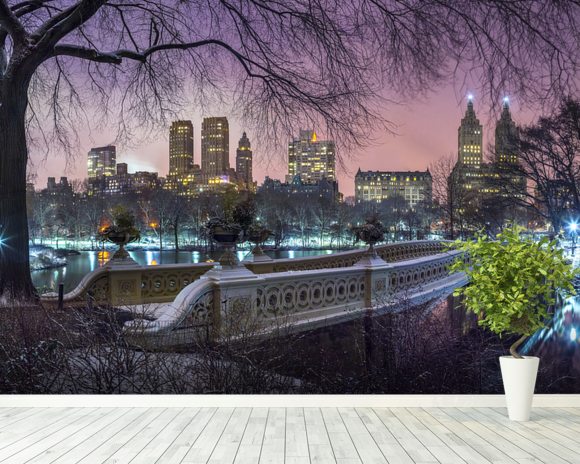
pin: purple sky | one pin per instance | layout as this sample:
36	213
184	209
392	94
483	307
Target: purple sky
427	130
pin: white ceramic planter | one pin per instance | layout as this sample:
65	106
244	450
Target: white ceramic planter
519	380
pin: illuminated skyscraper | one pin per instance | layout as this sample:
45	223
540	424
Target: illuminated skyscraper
506	134
244	162
102	162
481	180
311	159
215	148
180	148
470	138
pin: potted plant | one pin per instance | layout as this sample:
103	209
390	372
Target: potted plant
223	231
121	232
227	234
513	282
258	234
371	232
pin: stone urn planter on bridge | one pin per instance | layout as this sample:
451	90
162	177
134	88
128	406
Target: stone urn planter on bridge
257	235
513	282
121	233
371	233
227	235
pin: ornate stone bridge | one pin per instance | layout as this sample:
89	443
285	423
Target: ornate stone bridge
120	284
206	300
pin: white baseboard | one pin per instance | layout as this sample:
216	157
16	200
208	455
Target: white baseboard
376	401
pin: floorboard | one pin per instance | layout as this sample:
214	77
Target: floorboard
287	436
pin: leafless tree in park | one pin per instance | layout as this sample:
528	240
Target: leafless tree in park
321	62
549	162
448	192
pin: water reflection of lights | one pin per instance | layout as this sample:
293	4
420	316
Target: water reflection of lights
563	329
103	256
92	260
291	254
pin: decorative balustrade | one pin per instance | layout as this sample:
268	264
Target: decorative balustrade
390	252
134	284
297	299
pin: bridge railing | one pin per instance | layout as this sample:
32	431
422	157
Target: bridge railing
301	299
390	252
120	284
134	284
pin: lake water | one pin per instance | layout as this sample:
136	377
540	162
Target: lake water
80	265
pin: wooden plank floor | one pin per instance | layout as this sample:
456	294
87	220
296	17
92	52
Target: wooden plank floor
287	436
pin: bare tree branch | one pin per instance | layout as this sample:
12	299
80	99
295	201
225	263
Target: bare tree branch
10	23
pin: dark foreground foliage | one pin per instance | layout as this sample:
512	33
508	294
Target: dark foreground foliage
432	349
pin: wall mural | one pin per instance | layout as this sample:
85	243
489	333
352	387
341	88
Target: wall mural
351	322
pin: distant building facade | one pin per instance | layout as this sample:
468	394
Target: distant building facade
102	162
481	180
180	147
311	159
506	135
244	159
470	138
124	183
181	177
215	148
122	169
325	189
377	186
57	193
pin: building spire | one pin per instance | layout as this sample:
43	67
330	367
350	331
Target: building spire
505	113
470	138
470	111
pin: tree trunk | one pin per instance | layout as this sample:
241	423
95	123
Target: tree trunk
176	234
15	280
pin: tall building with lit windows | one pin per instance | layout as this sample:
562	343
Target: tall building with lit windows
470	138
215	148
311	159
180	147
480	180
506	134
244	158
102	162
470	170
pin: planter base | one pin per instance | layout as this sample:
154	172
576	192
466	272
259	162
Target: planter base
519	380
257	255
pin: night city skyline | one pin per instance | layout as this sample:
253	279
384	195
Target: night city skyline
425	132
